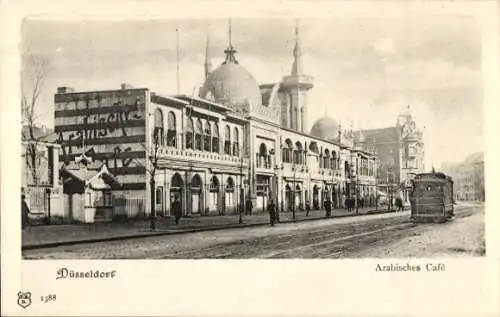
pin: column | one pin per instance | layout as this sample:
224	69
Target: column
180	141
297	114
304	118
166	191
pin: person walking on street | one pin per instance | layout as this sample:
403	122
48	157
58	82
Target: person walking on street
399	204
25	211
248	207
176	208
308	208
328	208
272	210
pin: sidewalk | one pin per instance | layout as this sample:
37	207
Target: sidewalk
55	235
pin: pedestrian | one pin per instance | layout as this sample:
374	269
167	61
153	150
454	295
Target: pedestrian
308	208
25	211
248	207
176	208
277	213
328	208
399	204
271	207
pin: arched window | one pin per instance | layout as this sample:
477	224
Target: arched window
207	136
346	170
287	151
262	156
159	195
198	135
214	184
215	138
236	142
320	157
158	129
333	164
171	130
326	159
196	183
229	184
189	134
297	153
227	140
229	192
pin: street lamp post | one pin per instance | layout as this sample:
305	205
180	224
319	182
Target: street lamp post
356	187
293	190
240	202
389	188
276	180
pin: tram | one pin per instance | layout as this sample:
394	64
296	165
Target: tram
431	197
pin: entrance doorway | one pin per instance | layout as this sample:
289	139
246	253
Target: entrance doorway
214	196
177	192
196	194
316	198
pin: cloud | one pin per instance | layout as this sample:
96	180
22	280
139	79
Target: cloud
365	70
385	46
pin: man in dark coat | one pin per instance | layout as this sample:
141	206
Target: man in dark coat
176	208
308	208
272	211
25	210
248	207
328	208
399	204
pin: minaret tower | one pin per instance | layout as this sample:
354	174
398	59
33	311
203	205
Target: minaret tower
298	84
208	58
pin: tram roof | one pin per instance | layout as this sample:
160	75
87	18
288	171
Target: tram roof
437	176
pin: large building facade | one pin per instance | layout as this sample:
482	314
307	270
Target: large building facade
233	141
468	177
400	152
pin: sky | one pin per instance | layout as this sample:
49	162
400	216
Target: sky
366	71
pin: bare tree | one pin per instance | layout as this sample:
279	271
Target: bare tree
151	170
151	167
35	70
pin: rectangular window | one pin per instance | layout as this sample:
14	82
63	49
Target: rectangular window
159	195
227	147
171	138
206	143
108	199
189	140
88	200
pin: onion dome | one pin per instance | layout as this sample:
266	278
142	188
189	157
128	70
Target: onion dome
232	85
326	128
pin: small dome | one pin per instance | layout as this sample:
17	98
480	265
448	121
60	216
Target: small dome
233	86
325	128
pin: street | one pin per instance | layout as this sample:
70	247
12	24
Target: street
371	236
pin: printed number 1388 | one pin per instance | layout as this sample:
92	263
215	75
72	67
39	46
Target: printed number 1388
48	298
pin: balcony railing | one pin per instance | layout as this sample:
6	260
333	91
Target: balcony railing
264	164
199	155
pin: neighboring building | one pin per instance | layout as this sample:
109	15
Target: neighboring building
40	178
400	153
468	177
236	140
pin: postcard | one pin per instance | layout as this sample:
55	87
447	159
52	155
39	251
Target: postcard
318	158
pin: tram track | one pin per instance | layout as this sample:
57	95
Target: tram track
330	239
320	243
265	247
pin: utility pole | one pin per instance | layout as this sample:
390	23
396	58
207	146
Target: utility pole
293	190
356	185
241	202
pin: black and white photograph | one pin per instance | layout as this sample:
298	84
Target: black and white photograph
252	138
237	158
